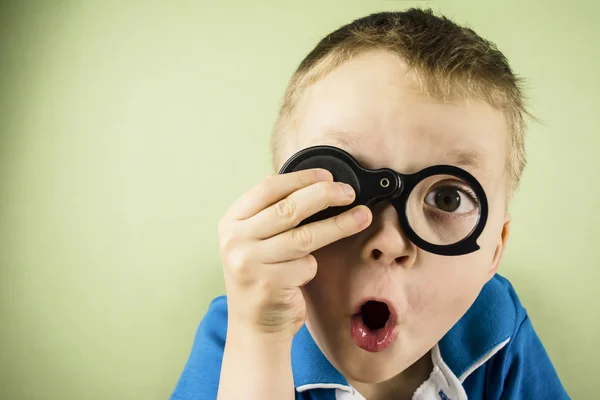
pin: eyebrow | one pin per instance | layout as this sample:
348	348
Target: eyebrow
351	141
464	158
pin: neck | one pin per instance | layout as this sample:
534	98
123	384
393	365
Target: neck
401	386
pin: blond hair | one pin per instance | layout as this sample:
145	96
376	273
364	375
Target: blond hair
449	60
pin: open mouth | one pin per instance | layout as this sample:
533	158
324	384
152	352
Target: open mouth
372	327
375	314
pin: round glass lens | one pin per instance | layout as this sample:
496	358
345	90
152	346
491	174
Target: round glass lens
443	209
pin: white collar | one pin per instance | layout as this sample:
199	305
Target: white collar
441	385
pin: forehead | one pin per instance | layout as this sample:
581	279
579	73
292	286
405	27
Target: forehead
374	108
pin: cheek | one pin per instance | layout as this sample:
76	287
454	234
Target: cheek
326	291
445	288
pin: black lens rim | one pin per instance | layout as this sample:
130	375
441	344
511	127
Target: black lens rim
464	246
398	192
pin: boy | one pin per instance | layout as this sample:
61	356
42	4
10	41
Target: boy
350	307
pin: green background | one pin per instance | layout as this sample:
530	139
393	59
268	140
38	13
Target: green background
126	130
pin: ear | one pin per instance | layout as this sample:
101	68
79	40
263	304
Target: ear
500	247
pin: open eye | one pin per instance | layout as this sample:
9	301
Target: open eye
451	199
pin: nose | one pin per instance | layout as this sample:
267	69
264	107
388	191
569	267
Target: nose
387	244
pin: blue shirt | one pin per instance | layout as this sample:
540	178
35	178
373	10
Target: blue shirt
492	352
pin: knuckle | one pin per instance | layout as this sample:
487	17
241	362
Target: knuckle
303	239
237	263
329	191
226	244
287	209
305	177
226	236
339	224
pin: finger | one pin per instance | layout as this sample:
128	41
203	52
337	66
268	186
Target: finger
293	273
272	189
288	212
301	241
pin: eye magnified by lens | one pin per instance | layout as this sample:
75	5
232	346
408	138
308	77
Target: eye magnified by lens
448	199
443	209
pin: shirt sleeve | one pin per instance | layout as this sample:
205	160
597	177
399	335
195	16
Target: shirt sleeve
202	372
200	377
527	370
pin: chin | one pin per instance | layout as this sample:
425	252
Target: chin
360	365
370	369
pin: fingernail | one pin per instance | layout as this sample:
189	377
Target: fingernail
323	175
360	215
348	190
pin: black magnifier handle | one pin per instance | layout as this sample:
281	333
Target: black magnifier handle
369	186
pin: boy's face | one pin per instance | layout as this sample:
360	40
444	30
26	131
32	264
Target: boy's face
372	109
